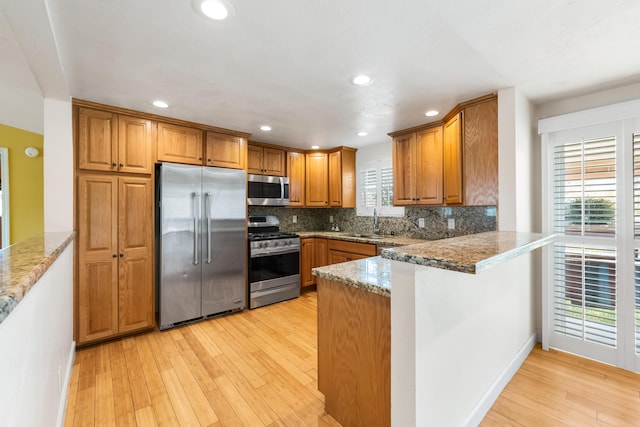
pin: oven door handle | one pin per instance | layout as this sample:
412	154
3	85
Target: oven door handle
282	251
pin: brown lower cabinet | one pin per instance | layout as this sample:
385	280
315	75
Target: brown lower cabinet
317	252
354	354
115	256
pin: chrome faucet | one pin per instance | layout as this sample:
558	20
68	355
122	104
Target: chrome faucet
376	226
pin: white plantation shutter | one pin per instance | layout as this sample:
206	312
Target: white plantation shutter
386	186
585	279
636	227
368	188
375	188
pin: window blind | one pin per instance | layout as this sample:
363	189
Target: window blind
386	186
368	188
636	227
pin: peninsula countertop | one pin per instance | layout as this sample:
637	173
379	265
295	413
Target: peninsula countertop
468	254
24	263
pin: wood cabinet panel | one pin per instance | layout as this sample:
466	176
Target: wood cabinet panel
225	151
265	161
306	262
135	143
355	248
317	180
342	178
481	153
180	144
320	255
115	262
97	133
296	174
97	257
335	179
428	166
404	174
452	146
354	349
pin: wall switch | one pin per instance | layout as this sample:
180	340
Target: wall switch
330	219
294	219
421	222
451	223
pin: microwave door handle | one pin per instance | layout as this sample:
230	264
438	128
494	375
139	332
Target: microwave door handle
282	189
207	210
196	207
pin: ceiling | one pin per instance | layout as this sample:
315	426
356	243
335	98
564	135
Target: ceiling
288	64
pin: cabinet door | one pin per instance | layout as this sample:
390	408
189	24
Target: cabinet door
225	151
179	144
135	225
254	159
404	158
317	182
273	161
97	257
335	179
320	253
429	166
97	132
452	142
135	141
306	262
295	172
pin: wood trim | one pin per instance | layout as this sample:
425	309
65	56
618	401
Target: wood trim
170	120
461	106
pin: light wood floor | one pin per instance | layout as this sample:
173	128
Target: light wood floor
259	368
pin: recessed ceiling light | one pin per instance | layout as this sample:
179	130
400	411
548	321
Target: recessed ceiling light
217	10
160	104
362	80
265	128
315	147
431	113
363	133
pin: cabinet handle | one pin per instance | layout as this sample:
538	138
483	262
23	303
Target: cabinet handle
349	259
113	165
208	160
121	165
121	255
114	256
199	158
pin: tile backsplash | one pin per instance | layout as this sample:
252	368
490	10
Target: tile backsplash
468	220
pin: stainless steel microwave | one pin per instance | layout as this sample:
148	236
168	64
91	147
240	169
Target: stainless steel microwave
266	190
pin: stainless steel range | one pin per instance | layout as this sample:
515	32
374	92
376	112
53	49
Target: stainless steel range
274	262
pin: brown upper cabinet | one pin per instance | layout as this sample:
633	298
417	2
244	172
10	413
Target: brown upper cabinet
225	151
296	172
417	166
317	179
180	144
114	142
263	160
342	178
450	162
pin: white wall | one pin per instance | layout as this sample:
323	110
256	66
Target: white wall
58	166
457	339
36	354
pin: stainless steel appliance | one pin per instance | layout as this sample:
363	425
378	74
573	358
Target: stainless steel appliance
267	190
274	262
201	226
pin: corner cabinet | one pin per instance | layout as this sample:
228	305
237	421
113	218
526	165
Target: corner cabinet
454	162
115	256
114	142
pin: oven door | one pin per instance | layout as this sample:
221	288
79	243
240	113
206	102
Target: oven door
273	270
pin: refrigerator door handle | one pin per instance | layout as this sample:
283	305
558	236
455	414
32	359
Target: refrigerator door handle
196	209
207	210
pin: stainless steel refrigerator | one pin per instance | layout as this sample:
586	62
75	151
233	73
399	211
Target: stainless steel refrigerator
201	242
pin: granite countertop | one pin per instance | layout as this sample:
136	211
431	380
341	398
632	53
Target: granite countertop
24	263
370	274
472	253
386	240
468	254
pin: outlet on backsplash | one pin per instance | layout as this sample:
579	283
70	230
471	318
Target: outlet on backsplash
451	223
294	219
330	219
421	222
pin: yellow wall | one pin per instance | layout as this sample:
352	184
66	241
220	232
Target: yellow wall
26	184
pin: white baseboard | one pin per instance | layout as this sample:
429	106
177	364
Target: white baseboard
62	409
489	398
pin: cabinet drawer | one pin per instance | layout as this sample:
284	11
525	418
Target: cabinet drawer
366	249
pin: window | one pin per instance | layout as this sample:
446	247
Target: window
375	188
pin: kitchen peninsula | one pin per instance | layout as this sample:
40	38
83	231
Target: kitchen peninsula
441	347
